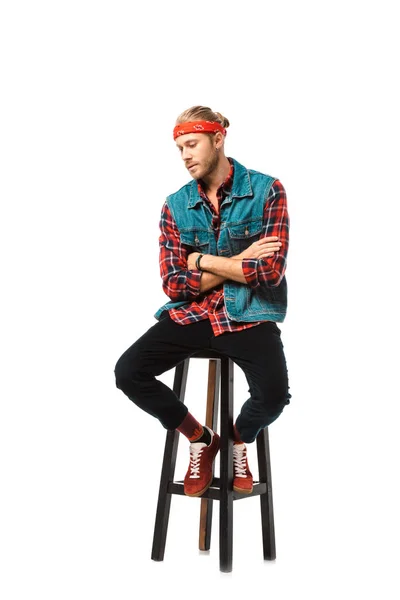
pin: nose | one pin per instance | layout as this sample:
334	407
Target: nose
186	153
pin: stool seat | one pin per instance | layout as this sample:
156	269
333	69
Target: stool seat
220	383
207	353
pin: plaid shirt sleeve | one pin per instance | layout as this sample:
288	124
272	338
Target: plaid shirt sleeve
269	271
178	282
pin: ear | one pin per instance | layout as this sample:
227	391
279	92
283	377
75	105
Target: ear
218	140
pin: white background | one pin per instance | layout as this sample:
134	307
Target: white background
90	94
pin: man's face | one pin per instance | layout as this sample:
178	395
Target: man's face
198	153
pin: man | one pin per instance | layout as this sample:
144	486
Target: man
223	247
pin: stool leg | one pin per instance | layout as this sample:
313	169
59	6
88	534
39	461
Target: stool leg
267	509
168	471
206	507
226	461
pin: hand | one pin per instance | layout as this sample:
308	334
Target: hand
261	248
191	260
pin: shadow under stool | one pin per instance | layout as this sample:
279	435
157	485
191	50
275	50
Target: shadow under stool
220	383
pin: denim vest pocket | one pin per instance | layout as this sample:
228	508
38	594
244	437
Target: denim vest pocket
241	236
259	298
197	241
260	304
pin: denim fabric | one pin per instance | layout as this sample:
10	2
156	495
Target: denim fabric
241	225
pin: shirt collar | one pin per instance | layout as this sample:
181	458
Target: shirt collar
225	186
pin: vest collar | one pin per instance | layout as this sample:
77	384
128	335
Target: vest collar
241	186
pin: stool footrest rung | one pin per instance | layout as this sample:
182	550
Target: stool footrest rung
214	492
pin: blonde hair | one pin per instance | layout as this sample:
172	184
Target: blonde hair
202	113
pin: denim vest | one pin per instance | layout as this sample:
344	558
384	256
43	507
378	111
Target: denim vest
241	224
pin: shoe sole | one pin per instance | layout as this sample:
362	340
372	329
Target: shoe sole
241	490
197	494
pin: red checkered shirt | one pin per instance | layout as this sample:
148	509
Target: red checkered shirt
179	283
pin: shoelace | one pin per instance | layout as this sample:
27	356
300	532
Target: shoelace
239	461
195	461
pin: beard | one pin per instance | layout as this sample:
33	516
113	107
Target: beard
209	165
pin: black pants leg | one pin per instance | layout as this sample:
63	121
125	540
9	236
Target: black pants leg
162	347
259	353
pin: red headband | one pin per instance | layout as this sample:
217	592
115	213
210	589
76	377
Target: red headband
198	127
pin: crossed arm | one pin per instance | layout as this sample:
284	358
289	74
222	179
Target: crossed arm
262	263
217	269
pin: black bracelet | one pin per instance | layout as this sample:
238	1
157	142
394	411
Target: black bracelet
198	262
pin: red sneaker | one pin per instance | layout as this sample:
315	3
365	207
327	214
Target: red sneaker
199	475
242	478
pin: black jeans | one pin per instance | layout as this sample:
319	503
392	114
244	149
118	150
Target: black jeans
258	351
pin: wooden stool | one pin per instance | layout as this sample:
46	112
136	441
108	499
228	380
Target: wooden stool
220	375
